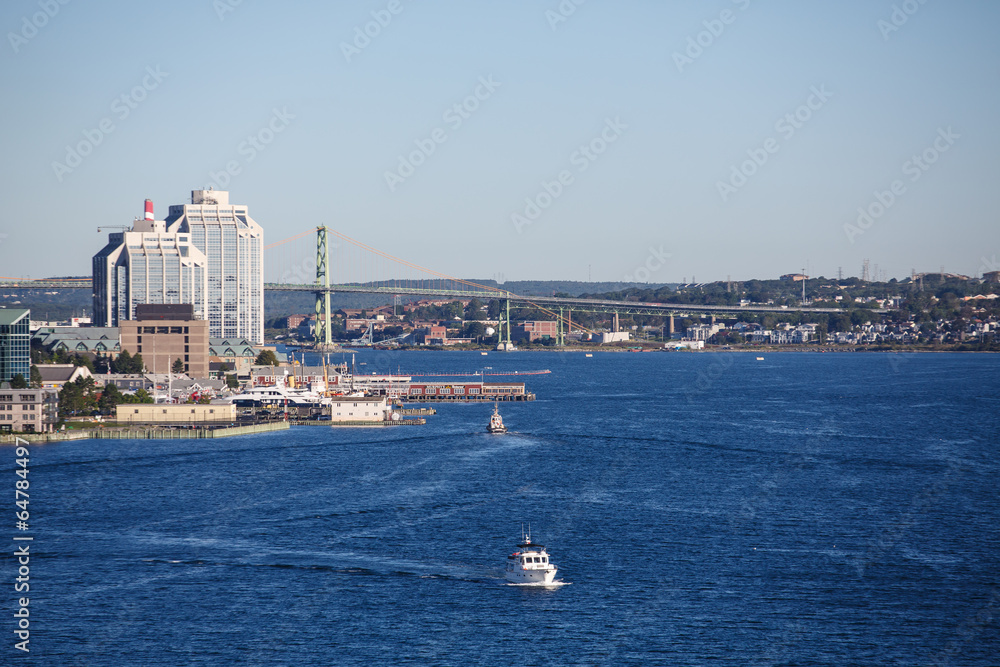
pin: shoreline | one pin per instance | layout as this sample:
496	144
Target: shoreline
713	348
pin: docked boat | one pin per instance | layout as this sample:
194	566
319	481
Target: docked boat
496	422
530	564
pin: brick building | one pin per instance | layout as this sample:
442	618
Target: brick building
163	333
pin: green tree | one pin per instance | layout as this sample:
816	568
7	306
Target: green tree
18	382
76	397
140	396
82	360
266	358
127	364
178	366
473	312
474	330
232	381
102	363
110	398
36	377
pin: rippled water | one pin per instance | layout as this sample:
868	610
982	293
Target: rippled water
705	508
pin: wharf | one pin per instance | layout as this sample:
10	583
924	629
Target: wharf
363	424
474	398
417	411
150	432
195	432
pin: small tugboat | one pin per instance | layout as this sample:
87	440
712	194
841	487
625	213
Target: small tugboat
496	423
530	564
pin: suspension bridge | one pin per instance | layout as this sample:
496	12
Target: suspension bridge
336	263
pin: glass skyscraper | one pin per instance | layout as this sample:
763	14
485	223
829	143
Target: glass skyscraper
15	343
147	264
233	243
207	253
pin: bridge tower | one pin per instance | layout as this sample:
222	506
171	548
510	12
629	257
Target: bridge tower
560	338
503	334
323	333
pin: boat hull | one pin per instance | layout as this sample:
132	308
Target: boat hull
538	577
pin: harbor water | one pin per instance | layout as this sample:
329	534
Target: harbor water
805	509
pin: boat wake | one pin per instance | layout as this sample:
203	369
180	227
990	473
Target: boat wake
554	584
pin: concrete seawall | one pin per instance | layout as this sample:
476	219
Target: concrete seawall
148	433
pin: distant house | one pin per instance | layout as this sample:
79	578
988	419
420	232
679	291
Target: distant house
432	335
127	383
85	340
56	375
293	321
533	330
237	353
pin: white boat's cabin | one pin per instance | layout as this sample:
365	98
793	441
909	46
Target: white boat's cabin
528	561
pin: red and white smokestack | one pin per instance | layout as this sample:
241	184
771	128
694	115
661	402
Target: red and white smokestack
149	209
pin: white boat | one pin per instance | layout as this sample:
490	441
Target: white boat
276	395
530	564
496	422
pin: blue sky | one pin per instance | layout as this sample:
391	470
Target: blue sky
691	154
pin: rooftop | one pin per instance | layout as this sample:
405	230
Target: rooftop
12	315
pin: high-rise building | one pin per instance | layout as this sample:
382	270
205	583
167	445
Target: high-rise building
15	343
147	264
208	253
234	245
